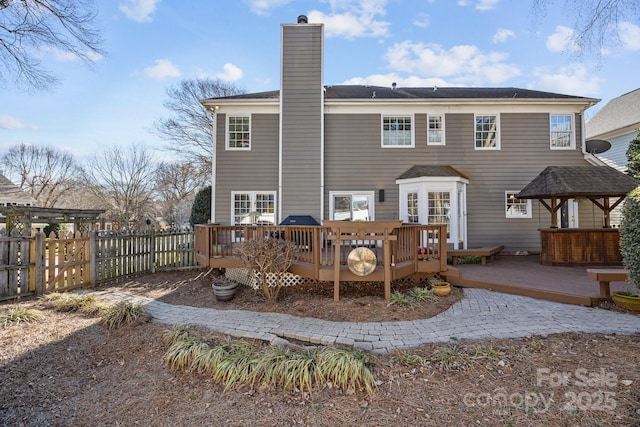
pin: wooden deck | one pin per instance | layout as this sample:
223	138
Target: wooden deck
525	275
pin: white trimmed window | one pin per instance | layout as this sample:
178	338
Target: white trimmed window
238	132
487	132
562	135
516	208
435	129
351	206
397	131
413	204
438	207
253	208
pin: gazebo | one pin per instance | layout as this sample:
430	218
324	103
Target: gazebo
554	186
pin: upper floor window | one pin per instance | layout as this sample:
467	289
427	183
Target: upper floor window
516	208
487	132
238	132
435	131
562	136
397	131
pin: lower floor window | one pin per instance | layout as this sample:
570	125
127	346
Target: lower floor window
347	206
254	208
516	208
439	207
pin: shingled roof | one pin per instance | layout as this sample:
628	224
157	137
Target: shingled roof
383	92
574	181
618	113
11	193
420	171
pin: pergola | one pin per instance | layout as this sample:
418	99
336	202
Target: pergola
23	217
558	184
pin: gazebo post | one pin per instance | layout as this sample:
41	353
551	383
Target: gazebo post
554	209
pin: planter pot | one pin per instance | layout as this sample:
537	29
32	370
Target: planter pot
627	300
441	289
224	292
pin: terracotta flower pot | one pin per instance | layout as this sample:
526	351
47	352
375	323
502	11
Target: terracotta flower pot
441	289
627	300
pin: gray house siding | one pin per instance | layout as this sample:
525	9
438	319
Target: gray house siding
254	170
301	104
355	161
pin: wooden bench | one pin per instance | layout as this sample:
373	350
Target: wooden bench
605	276
487	252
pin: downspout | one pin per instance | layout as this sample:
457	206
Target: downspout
214	140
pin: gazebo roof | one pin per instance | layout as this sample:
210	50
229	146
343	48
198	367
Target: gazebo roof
576	181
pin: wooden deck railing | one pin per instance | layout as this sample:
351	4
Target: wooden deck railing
215	244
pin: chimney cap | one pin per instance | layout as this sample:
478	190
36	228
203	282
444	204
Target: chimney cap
302	19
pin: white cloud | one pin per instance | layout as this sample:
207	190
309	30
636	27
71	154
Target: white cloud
629	36
502	35
163	69
139	10
230	73
422	20
571	80
11	123
465	64
263	7
353	18
563	40
480	5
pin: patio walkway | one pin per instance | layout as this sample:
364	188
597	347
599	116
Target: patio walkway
524	275
481	314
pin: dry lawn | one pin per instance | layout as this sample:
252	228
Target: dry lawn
65	369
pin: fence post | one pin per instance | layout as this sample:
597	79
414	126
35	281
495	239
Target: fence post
93	258
39	257
152	243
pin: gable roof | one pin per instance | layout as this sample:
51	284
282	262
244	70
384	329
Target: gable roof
619	113
11	193
382	92
573	181
422	171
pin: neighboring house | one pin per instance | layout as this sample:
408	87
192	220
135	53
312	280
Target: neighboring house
12	195
424	155
618	123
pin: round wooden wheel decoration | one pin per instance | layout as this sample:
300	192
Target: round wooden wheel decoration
362	261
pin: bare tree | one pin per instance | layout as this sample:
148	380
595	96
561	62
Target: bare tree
596	22
124	180
46	173
188	131
176	186
29	27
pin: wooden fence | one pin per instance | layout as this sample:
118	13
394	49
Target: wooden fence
36	264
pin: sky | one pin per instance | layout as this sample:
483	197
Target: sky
151	45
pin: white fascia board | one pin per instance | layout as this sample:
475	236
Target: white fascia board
439	179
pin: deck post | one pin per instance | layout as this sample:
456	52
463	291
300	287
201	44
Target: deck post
386	253
336	266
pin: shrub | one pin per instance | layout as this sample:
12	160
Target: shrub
201	208
630	235
122	313
18	315
268	260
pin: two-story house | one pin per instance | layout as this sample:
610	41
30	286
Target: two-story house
452	155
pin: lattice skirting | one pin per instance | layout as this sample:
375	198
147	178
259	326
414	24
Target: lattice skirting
242	276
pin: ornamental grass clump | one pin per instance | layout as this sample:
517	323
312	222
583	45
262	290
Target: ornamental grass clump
18	315
121	314
72	302
630	235
236	364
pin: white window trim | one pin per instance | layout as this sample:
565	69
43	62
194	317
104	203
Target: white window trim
226	133
572	144
444	139
498	132
252	197
413	130
512	216
370	194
